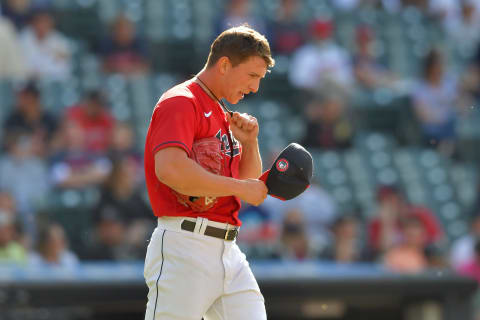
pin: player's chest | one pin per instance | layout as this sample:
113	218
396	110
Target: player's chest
214	124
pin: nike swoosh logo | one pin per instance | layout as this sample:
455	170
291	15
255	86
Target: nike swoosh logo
207	114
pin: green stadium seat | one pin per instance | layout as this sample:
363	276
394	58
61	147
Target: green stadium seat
73	210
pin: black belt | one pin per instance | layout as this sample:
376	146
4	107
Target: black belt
228	235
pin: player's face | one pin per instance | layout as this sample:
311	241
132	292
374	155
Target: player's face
244	78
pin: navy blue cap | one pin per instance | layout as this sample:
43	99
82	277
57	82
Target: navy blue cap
290	174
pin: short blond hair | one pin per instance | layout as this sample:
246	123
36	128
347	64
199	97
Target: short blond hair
239	44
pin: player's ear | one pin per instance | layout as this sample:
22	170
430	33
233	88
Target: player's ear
224	65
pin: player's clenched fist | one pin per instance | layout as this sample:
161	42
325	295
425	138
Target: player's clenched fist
244	127
252	191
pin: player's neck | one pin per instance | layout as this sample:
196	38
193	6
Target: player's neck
209	80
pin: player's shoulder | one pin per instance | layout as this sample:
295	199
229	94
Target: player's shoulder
180	91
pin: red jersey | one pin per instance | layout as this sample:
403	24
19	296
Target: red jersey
427	218
97	130
184	114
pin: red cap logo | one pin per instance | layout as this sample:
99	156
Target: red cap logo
282	165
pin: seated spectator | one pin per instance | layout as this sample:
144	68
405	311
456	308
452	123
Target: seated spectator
464	247
328	123
19	12
346	246
109	241
123	144
286	33
25	176
7	205
12	64
470	82
441	10
48	54
318	209
10	250
259	232
369	73
294	242
121	194
238	12
471	267
94	119
29	116
434	102
409	255
72	166
122	51
463	28
386	229
52	249
321	61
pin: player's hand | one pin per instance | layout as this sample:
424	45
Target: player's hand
253	191
244	127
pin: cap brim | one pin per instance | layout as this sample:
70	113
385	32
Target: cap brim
264	176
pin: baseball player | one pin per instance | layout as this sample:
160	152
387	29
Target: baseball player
201	160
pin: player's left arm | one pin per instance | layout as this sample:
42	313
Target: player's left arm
245	129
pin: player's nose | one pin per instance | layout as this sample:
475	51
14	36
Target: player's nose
254	86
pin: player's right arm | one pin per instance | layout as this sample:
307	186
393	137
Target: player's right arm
175	169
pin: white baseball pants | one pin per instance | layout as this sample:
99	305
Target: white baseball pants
190	275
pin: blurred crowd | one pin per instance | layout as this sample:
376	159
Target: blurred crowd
85	147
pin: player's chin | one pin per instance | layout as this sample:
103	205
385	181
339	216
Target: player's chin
236	98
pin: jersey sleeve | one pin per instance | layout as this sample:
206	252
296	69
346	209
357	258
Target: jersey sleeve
173	125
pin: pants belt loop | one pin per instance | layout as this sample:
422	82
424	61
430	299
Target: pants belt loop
198	225
203	226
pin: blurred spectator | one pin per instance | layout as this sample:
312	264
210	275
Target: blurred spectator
471	267
369	73
328	123
52	249
19	12
470	85
238	12
12	64
442	10
29	116
25	176
409	255
109	242
464	28
7	205
386	229
317	207
94	119
72	166
294	242
434	101
122	51
346	245
286	33
463	248
321	60
10	250
122	195
47	51
421	5
123	144
259	232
